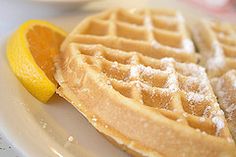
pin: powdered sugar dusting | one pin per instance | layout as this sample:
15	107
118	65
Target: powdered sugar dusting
225	89
197	78
207	110
149	71
195	97
217	116
137	70
188	45
217	61
167	60
114	65
148	23
219	123
172	81
134	72
202	93
196	70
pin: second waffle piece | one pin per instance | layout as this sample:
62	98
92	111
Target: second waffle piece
225	89
217	44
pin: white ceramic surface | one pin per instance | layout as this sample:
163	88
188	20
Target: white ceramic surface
6	149
36	129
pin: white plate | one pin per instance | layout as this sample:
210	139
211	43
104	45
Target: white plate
40	130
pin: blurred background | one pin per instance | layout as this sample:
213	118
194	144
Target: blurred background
14	12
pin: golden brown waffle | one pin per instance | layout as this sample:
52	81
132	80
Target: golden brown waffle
149	107
156	33
225	89
217	43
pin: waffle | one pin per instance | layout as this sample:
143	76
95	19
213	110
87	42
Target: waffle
149	107
217	43
225	89
156	33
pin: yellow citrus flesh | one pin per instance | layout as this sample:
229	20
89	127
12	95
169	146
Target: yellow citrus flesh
30	52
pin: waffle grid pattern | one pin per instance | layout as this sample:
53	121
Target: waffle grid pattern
219	46
140	66
225	88
165	85
155	33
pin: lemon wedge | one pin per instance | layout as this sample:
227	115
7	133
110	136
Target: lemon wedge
30	52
